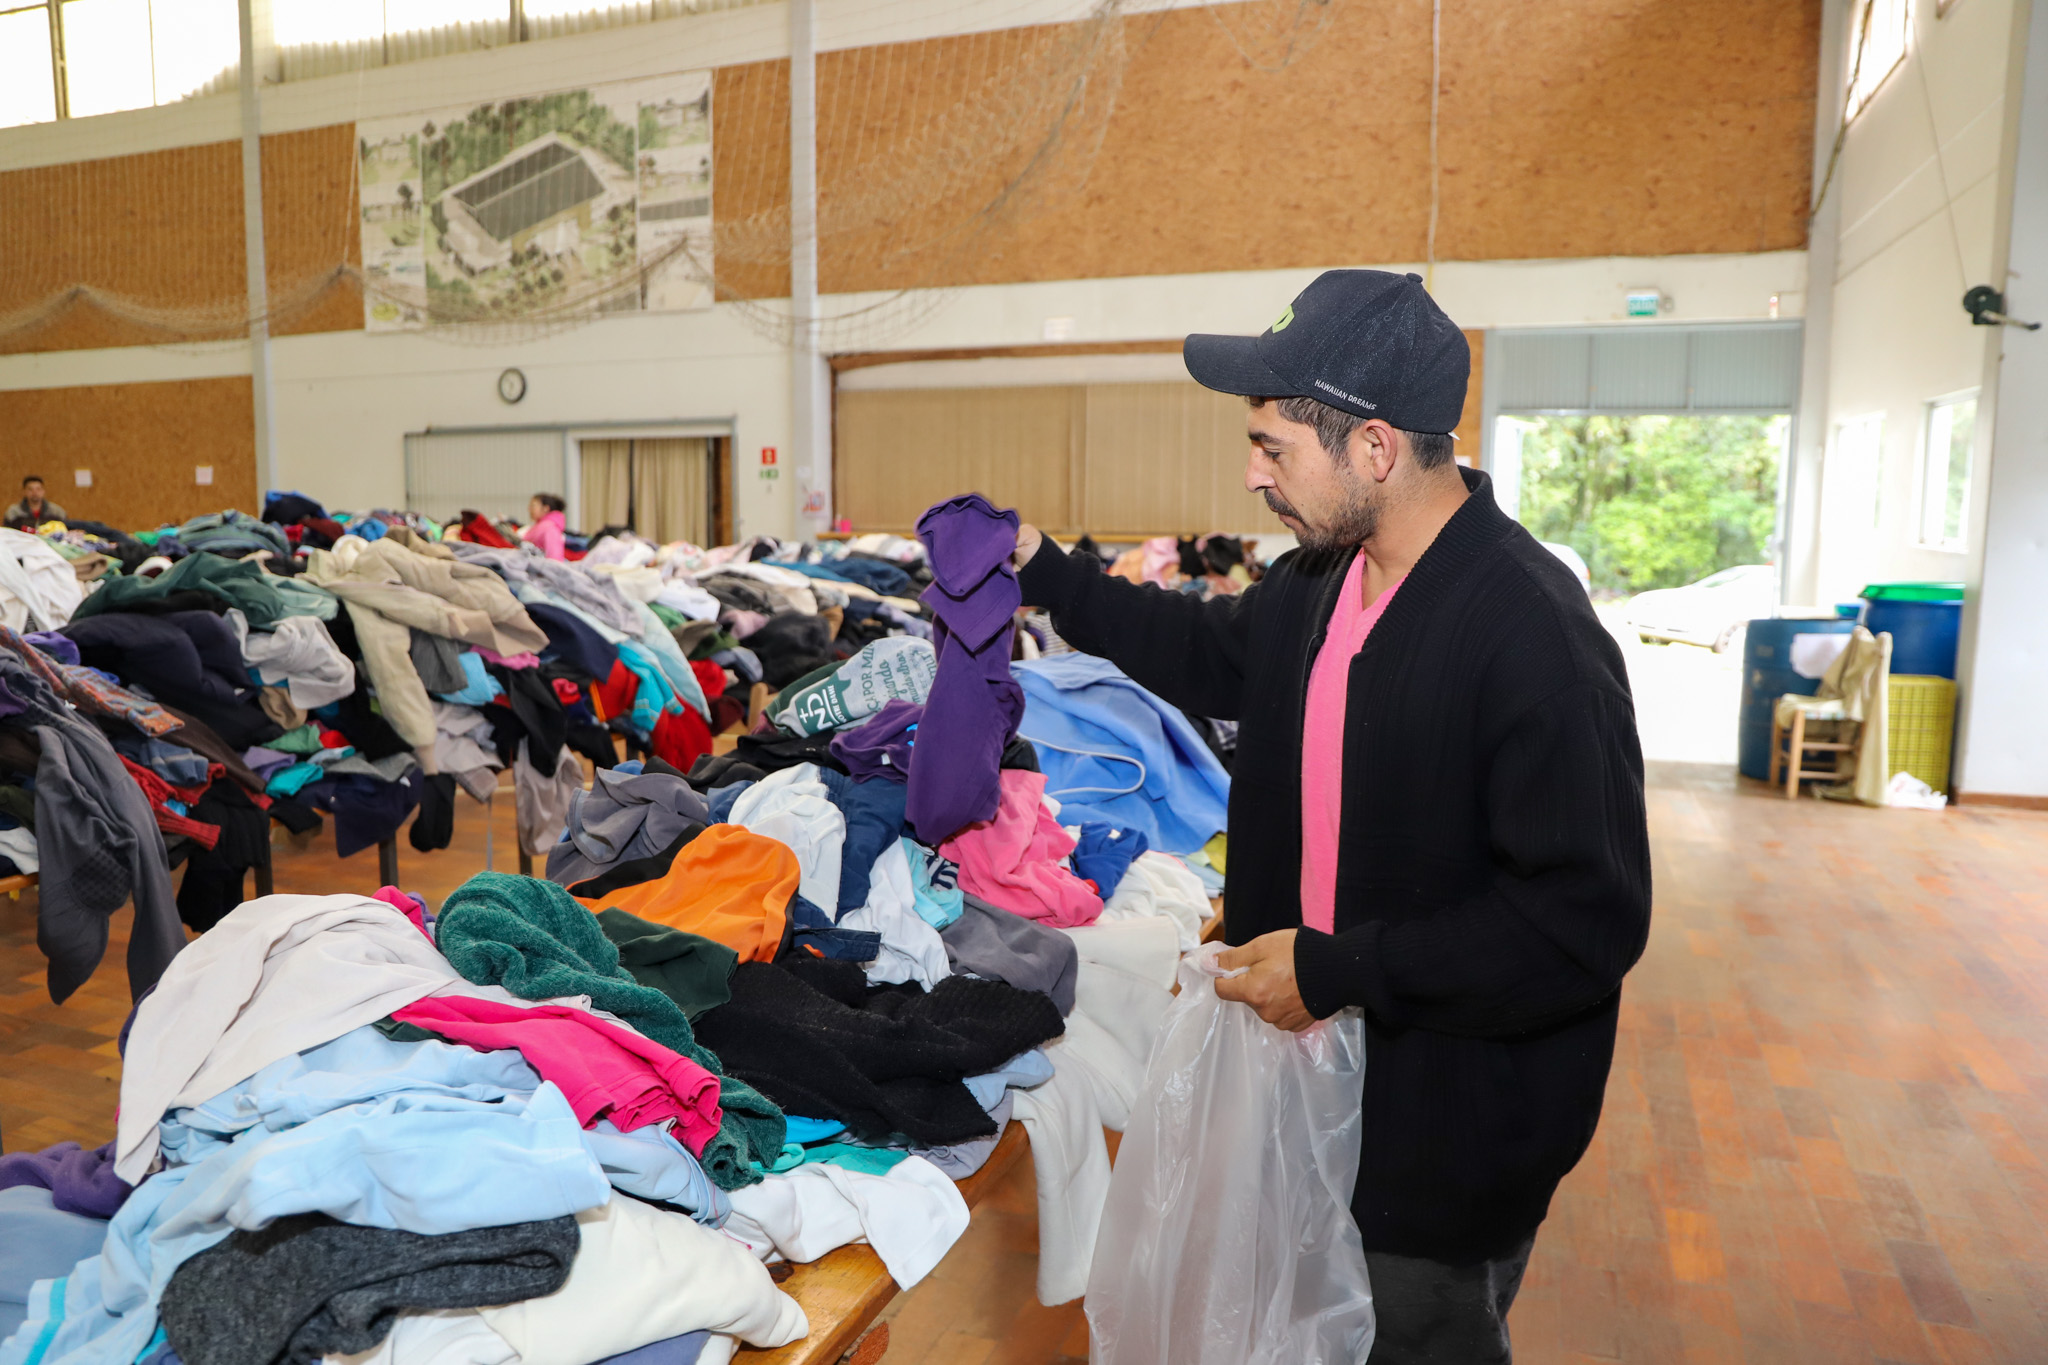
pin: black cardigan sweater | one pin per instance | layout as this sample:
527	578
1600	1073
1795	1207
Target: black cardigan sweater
1493	877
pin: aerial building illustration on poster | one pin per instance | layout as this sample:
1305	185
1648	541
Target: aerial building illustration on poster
548	208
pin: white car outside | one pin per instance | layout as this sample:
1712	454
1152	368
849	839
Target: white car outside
1572	561
1711	612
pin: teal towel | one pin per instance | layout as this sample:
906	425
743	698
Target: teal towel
530	937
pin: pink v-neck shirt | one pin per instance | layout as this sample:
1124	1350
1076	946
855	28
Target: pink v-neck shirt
1322	744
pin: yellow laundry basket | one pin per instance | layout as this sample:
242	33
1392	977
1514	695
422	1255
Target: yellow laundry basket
1923	726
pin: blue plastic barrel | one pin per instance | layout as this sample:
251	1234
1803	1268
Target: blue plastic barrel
1924	634
1766	676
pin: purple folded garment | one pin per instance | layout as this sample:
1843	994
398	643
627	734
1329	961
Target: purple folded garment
975	705
78	1181
880	745
62	648
264	761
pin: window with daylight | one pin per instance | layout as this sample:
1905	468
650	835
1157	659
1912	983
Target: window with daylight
1877	44
1945	474
77	58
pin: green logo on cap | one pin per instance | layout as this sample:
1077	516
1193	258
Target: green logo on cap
1285	318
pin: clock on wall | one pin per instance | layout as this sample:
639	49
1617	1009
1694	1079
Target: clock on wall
512	386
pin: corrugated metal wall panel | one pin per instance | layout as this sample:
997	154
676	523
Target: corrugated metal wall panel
493	472
1634	371
1535	371
1746	368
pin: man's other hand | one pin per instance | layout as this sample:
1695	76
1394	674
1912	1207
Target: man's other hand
1028	541
1269	987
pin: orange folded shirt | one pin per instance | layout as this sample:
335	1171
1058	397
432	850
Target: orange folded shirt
727	884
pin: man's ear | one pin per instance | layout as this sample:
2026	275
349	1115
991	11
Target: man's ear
1374	447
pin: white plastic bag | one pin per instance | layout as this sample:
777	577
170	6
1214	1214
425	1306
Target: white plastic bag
1227	1238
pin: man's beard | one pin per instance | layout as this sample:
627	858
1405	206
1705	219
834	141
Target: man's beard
1351	523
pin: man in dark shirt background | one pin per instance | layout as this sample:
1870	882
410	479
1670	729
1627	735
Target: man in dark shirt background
33	509
1436	809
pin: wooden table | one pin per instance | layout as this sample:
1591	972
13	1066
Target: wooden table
844	1291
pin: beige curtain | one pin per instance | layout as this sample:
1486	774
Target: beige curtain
606	483
672	489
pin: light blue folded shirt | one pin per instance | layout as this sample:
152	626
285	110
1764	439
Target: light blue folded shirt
480	687
656	640
934	881
427	1163
360	1065
651	1163
1023	1071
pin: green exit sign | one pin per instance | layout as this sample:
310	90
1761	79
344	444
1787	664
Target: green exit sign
1644	303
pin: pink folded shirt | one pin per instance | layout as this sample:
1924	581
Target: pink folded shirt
604	1070
407	904
1013	861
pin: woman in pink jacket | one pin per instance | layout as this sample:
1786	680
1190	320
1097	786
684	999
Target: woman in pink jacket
548	516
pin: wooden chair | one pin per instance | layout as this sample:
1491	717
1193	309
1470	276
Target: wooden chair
1796	756
1851	699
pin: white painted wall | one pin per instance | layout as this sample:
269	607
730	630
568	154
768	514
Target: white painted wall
346	399
2005	741
1920	191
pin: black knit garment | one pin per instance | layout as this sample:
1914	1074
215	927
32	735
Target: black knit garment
812	1036
307	1286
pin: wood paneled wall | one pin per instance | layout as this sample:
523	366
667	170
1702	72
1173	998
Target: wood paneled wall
1016	446
1574	128
163	231
142	443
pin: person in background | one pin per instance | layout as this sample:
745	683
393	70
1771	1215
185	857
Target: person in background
548	516
1436	811
33	509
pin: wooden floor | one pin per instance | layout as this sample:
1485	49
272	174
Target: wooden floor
1826	1136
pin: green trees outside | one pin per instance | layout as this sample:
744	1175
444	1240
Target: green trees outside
1653	502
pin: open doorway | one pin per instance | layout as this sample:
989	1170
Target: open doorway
1672	519
1652	461
665	488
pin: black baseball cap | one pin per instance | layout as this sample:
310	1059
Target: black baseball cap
1368	342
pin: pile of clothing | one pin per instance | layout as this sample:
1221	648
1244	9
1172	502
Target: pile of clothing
541	1126
884	842
349	1131
1205	565
231	670
792	991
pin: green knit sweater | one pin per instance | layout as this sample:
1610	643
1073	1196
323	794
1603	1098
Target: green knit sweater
532	938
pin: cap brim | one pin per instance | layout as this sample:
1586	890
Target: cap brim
1230	364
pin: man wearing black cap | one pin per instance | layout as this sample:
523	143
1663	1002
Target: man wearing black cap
1436	811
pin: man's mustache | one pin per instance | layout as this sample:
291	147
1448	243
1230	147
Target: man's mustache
1281	507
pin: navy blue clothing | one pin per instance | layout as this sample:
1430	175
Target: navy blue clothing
572	641
811	927
366	810
874	820
1104	853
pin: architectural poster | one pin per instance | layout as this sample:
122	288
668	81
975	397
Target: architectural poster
580	201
